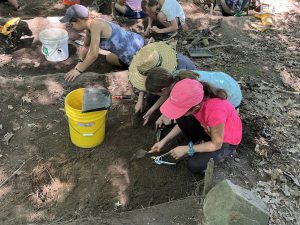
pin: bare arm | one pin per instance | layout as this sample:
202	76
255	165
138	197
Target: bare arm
173	27
216	142
87	39
153	108
159	145
217	134
150	20
158	103
139	105
173	133
96	29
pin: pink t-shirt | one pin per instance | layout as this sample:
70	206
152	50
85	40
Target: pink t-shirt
135	5
215	111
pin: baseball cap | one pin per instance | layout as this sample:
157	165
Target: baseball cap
184	95
75	12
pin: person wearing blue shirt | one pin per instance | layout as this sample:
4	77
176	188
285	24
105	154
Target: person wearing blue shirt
160	82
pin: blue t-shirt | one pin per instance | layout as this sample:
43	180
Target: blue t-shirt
122	43
184	63
172	9
224	81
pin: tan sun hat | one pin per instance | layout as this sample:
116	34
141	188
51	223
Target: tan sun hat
157	54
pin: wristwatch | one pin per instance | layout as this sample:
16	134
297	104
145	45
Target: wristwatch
191	151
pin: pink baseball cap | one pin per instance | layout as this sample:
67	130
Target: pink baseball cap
184	95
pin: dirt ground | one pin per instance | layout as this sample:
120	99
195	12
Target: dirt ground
51	180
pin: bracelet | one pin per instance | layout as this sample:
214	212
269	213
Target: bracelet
78	70
191	151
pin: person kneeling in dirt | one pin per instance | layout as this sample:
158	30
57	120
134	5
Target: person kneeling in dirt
168	13
121	43
13	3
160	82
157	54
130	8
233	7
207	118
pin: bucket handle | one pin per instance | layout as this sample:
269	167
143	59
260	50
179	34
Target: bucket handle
88	134
49	54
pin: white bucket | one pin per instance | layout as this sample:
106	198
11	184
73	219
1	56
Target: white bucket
55	44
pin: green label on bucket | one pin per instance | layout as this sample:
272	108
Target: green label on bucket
86	124
45	50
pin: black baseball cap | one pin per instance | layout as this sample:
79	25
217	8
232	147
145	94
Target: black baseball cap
75	12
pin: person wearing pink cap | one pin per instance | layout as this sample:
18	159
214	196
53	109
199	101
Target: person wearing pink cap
208	120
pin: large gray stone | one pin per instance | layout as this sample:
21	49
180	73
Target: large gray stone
229	204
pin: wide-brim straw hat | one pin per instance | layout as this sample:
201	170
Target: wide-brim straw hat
151	56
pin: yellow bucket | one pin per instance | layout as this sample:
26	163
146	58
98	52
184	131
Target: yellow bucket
87	130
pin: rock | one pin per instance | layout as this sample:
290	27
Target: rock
7	137
230	204
205	42
237	160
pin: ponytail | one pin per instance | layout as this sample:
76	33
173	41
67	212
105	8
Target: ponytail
186	74
212	92
159	78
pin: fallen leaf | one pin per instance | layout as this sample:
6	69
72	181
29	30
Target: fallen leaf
16	127
26	99
285	190
7	137
31	125
36	64
295	179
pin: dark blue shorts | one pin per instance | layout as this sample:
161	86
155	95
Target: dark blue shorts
132	14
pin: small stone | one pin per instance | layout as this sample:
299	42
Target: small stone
36	64
16	127
7	137
184	42
205	42
10	107
237	159
49	126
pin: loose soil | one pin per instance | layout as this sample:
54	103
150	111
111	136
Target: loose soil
60	182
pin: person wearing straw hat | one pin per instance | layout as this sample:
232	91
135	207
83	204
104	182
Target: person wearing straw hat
157	54
208	120
100	33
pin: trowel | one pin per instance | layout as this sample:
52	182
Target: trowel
141	153
95	99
